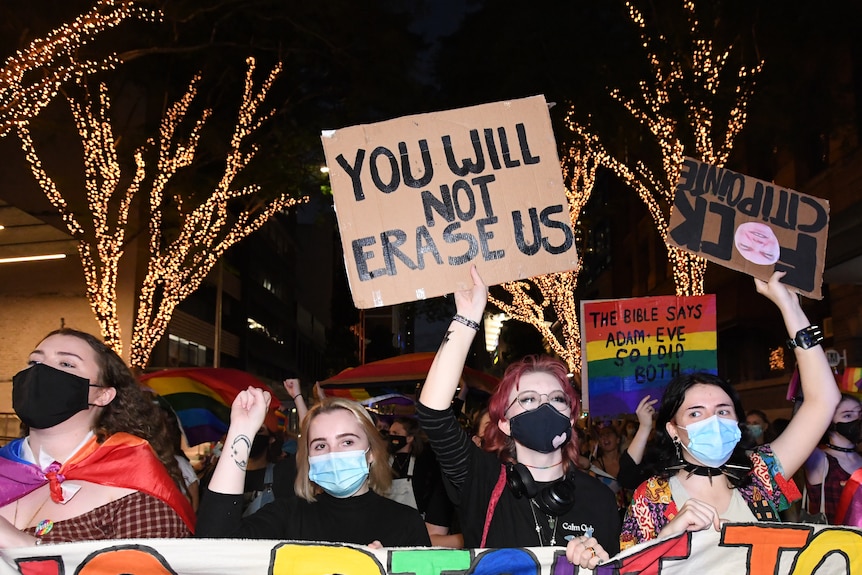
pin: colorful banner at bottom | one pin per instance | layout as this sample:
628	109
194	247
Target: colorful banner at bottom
739	548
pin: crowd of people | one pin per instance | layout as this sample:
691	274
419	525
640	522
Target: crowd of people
524	471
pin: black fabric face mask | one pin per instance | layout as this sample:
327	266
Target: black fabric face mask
396	442
544	429
43	396
852	430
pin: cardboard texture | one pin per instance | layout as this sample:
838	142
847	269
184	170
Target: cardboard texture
633	347
419	199
750	225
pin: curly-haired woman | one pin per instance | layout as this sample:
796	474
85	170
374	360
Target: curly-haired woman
704	475
97	462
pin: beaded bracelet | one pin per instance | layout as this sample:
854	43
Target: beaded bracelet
468	322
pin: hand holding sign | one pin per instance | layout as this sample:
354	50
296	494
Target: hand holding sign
694	515
422	197
750	225
470	303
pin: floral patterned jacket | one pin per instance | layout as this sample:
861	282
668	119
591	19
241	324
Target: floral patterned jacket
652	505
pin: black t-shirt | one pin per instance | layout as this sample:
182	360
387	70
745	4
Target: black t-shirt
631	475
472	474
360	520
431	499
284	476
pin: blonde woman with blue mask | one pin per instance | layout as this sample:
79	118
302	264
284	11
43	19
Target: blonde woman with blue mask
342	477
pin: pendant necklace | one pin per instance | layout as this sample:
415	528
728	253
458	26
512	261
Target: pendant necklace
42	528
552	525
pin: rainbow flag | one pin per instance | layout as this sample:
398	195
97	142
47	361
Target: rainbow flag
202	396
851	380
633	347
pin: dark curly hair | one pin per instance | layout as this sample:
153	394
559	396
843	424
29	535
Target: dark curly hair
133	409
664	454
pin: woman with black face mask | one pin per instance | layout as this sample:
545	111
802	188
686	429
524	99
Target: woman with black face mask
97	462
417	481
829	467
524	488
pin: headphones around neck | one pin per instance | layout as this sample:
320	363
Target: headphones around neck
555	499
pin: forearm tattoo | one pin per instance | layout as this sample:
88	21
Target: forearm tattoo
445	338
240	443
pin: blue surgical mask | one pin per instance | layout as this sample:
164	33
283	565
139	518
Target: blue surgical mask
712	440
755	430
341	474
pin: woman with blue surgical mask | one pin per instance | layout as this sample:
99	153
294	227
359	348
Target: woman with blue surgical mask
342	477
759	427
704	476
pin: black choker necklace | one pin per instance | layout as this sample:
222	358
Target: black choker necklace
728	469
841	449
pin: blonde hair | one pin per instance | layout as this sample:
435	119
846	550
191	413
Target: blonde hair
379	472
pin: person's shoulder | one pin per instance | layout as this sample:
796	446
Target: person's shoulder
390	506
654	489
585	480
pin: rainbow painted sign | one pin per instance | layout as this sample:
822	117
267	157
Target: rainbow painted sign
633	347
743	548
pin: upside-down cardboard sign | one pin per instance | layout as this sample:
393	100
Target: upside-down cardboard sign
750	225
421	198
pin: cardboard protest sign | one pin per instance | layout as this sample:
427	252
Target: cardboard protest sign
775	548
633	347
421	198
750	225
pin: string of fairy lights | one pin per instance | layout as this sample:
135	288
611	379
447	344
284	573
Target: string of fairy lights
535	300
32	77
693	80
552	295
176	267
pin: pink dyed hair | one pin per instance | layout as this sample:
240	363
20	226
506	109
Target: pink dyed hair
503	445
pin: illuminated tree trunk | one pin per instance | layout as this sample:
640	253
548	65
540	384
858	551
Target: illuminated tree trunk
549	300
688	271
680	110
177	268
206	230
